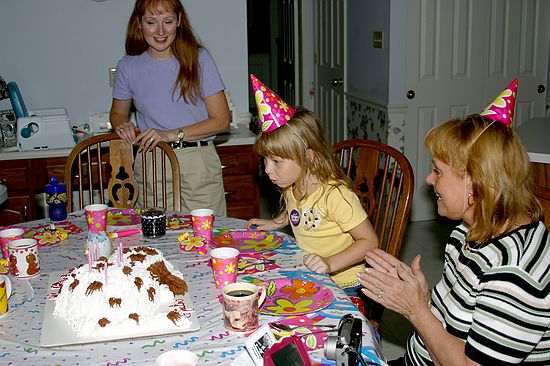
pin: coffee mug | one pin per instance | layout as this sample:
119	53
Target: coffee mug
24	258
5	292
241	301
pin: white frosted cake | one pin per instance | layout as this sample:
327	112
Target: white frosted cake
141	292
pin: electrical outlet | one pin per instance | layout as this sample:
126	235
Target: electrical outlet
112	71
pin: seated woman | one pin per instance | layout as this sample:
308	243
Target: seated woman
492	304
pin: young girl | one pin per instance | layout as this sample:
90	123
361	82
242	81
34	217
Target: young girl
326	216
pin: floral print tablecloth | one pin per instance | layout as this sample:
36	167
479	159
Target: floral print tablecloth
20	328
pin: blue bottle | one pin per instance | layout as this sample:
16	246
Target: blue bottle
56	198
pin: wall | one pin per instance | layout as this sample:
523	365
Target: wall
367	67
59	51
367	70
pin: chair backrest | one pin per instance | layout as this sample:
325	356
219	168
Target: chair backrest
384	181
106	162
543	194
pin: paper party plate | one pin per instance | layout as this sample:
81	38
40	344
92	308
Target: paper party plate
293	296
123	218
248	241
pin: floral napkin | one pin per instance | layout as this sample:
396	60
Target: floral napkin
190	243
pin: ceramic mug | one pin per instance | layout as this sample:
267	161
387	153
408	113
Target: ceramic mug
24	258
241	301
5	292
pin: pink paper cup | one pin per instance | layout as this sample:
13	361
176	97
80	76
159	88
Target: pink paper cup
96	217
224	266
7	236
203	223
23	259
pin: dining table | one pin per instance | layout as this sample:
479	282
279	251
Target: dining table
61	247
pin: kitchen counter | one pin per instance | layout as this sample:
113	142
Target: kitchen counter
534	134
235	136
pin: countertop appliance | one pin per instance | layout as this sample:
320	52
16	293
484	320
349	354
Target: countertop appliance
44	129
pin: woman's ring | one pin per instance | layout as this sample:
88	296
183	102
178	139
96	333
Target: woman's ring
380	294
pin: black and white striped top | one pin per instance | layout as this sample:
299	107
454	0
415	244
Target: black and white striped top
495	297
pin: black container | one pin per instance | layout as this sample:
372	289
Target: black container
153	222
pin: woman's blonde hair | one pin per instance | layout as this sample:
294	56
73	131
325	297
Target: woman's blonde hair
185	47
293	140
492	154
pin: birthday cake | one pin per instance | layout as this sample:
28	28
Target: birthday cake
133	290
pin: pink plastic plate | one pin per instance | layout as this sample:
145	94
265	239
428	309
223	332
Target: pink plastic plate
293	296
248	241
123	217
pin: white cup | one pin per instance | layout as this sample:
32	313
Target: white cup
177	357
23	259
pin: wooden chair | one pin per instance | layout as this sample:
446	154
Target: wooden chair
543	194
106	162
384	181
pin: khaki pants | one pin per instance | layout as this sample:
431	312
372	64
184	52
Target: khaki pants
201	180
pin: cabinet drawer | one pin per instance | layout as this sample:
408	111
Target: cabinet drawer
238	160
15	210
240	191
15	177
55	167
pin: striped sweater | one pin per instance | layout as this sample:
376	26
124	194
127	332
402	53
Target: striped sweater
495	297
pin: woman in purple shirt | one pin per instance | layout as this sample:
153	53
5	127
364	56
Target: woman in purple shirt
178	96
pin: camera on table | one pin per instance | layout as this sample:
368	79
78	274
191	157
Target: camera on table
345	348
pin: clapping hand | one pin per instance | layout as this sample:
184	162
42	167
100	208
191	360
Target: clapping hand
393	284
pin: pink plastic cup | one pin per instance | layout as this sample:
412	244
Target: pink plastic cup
224	266
203	223
96	217
7	236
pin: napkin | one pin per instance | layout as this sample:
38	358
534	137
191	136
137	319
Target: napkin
190	243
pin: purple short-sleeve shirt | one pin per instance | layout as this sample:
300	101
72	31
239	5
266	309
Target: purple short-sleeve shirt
150	82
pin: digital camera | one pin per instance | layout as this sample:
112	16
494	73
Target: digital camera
345	347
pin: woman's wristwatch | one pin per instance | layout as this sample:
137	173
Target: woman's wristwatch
181	136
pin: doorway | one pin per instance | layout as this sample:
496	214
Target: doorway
272	47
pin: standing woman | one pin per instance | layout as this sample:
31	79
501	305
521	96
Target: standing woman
492	304
178	95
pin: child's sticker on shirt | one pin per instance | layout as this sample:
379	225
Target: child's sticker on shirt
311	219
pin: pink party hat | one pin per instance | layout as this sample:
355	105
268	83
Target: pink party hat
502	108
272	110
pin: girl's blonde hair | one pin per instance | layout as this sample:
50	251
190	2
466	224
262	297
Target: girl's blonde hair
492	154
292	141
185	47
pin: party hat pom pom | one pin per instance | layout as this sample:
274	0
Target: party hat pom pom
502	108
272	110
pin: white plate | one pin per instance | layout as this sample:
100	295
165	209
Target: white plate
57	332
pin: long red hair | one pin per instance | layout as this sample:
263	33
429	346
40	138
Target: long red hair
185	47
